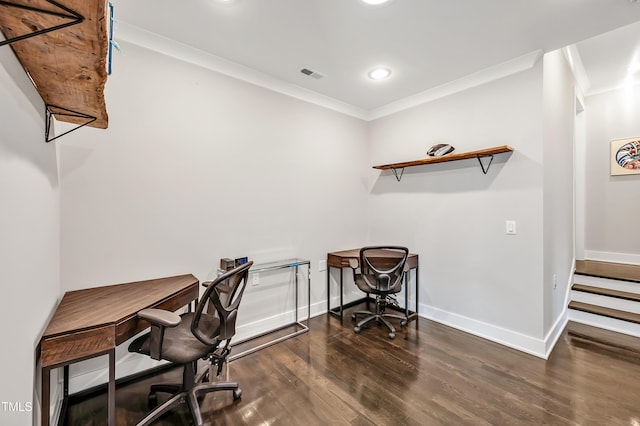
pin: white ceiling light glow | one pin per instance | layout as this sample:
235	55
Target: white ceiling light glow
375	1
379	73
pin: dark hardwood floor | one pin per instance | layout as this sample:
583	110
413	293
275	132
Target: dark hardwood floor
429	375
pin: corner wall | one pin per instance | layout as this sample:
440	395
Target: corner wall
29	242
196	166
559	118
472	275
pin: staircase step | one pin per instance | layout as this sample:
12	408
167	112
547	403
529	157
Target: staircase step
618	271
607	312
620	285
635	297
604	339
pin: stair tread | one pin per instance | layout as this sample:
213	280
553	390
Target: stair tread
607	292
617	271
611	340
607	312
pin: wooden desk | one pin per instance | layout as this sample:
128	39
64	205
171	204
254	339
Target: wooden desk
340	260
92	322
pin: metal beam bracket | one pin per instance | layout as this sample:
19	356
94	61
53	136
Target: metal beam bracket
75	18
51	110
485	170
398	173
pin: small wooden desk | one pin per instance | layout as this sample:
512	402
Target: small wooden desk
340	260
92	322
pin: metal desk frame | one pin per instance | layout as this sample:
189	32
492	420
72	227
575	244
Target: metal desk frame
303	328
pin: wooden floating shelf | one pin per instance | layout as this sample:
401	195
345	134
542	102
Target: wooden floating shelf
67	65
481	153
445	158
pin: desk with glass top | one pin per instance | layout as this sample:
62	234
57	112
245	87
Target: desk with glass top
297	322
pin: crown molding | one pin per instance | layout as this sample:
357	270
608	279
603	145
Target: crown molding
181	51
496	72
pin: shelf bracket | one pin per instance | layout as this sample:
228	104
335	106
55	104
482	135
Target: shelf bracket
485	170
75	18
51	110
395	173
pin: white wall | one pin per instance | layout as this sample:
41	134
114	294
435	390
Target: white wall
29	242
196	166
559	115
611	217
473	276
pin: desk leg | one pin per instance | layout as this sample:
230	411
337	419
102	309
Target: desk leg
65	381
46	390
296	272
309	295
406	294
331	311
329	290
338	310
112	388
417	287
341	294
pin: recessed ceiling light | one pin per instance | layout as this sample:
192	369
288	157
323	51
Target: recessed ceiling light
375	1
379	73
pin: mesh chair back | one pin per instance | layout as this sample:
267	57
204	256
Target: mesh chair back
224	295
382	267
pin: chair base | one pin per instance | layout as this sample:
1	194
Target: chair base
380	318
191	396
191	389
170	388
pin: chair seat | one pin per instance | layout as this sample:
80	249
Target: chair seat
179	344
367	289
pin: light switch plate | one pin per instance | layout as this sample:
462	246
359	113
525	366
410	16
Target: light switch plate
511	227
322	265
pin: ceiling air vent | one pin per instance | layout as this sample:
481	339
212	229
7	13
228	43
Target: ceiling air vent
312	73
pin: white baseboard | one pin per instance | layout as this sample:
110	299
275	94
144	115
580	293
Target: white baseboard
554	334
513	339
603	256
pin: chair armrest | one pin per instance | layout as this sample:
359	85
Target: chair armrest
159	320
160	317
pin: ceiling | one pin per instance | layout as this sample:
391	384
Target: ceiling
426	43
611	60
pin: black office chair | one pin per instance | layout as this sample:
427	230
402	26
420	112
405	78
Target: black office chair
192	336
382	269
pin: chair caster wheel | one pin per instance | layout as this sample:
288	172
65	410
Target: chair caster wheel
152	401
237	394
353	317
403	322
392	335
357	329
